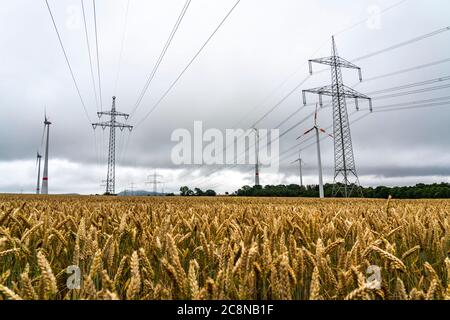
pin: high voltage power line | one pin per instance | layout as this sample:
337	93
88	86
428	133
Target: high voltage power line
390	48
122	44
98	56
392	107
67	61
89	55
189	63
375	98
371	79
412	106
161	56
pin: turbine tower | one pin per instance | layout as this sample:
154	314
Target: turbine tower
112	124
300	162
319	159
45	175
256	157
38	163
345	176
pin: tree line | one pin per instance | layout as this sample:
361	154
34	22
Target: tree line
419	191
197	192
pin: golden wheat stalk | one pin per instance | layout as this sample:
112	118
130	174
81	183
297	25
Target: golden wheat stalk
314	291
395	262
135	283
9	294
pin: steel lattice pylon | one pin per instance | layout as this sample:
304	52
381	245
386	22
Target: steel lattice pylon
112	124
345	175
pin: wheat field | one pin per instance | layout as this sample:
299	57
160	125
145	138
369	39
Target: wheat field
223	248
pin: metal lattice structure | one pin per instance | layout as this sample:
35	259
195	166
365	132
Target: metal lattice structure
154	182
112	124
345	176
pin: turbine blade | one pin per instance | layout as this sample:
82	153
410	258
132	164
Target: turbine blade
315	116
308	131
324	131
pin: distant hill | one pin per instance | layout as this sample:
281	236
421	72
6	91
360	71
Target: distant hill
140	193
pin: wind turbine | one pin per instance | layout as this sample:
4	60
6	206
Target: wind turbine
256	156
38	165
47	124
300	162
319	160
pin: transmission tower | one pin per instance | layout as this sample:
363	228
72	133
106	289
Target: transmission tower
132	188
112	124
345	176
154	181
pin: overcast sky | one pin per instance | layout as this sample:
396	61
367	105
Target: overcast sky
255	59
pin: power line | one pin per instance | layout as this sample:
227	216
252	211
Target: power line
411	85
125	25
394	95
326	106
399	45
89	54
365	20
189	64
67	61
305	79
98	57
406	106
417	107
361	58
161	56
406	70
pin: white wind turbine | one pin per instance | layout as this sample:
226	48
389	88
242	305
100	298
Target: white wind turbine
319	160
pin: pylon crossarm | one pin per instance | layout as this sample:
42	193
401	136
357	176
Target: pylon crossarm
122	125
101	124
331	61
351	93
347	92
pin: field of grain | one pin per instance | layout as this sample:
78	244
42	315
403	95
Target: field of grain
223	248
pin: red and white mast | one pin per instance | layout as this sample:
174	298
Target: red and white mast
45	175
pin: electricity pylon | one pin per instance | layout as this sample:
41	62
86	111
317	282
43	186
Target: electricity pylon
154	182
132	188
319	158
112	124
256	156
345	176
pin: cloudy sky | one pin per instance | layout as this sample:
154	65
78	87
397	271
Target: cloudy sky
257	57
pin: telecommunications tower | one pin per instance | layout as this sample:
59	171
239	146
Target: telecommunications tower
45	175
345	176
112	124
